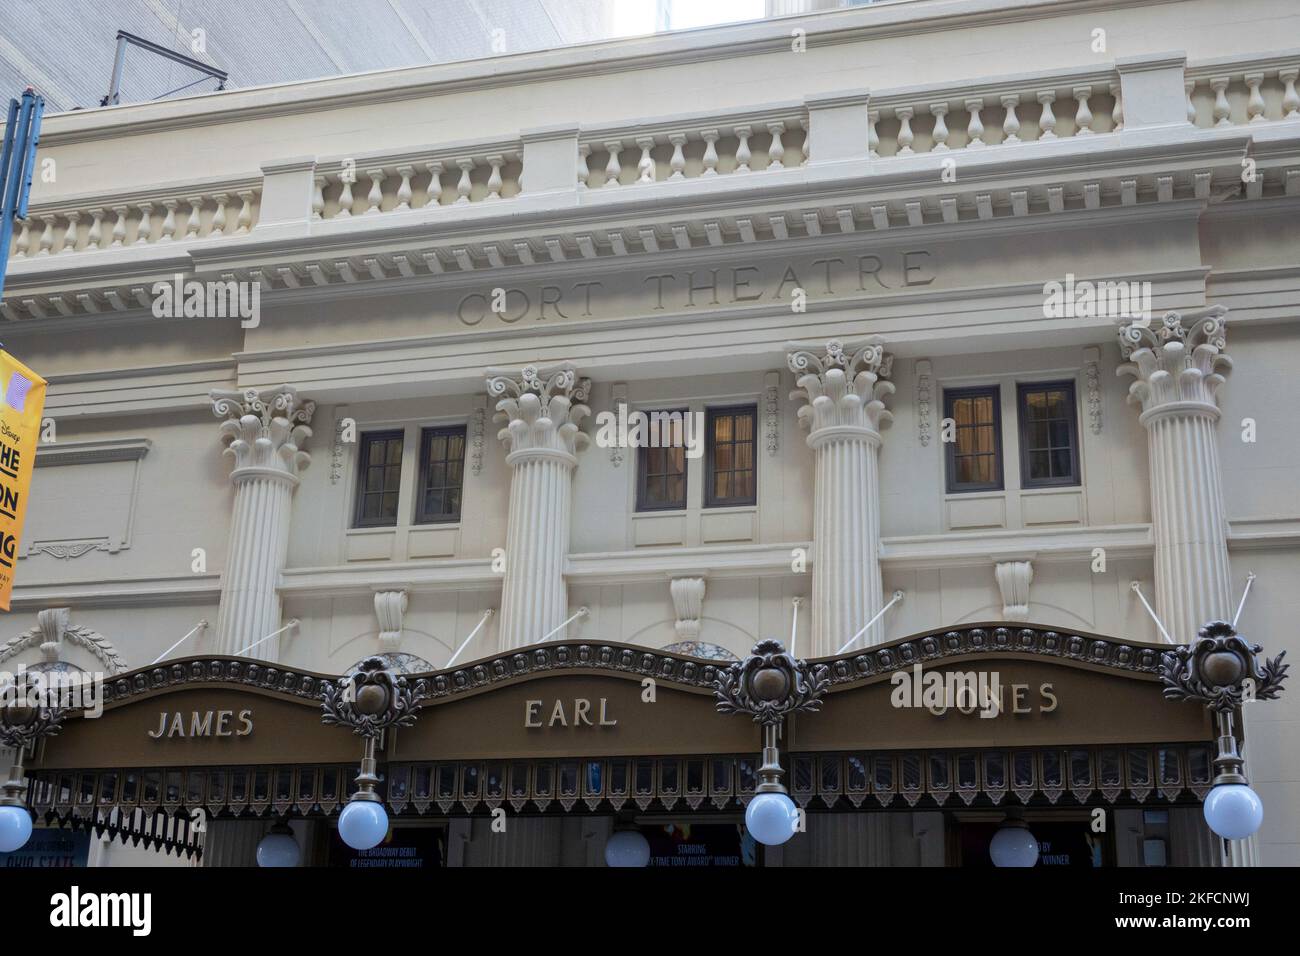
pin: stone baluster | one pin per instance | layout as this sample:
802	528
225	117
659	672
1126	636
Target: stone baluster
1117	111
24	237
940	113
346	199
743	155
267	431
540	409
1011	123
1046	119
244	221
195	221
169	220
905	135
776	151
95	235
710	137
1290	98
1255	101
975	130
375	196
613	168
70	234
318	197
1222	111
844	387
119	225
677	163
584	170
435	169
1190	86
404	188
144	229
645	166
463	184
1179	365
805	148
46	244
219	215
873	137
1083	116
494	177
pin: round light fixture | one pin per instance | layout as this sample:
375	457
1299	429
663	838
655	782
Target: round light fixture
15	828
363	824
1013	845
1233	811
770	818
627	848
278	848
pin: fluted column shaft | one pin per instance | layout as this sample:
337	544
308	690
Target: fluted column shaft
1179	365
541	409
266	429
844	388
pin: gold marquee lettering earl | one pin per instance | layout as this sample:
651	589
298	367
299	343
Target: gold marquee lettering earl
578	712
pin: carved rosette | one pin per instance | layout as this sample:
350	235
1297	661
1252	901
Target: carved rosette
267	430
844	387
369	700
1178	361
541	409
1221	669
769	684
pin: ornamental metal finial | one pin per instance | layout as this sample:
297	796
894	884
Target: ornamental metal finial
770	684
1221	669
21	725
369	700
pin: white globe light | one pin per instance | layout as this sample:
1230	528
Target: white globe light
627	848
278	848
1013	846
770	818
1234	811
15	828
363	824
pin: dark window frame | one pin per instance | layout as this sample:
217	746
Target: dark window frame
642	470
710	414
951	485
427	435
1074	478
363	455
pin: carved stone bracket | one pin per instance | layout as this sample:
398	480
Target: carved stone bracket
769	684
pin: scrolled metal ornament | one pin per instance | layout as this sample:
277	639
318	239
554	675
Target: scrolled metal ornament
369	700
769	684
21	725
1221	669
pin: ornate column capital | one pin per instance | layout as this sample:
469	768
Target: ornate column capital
1178	361
267	430
844	386
541	408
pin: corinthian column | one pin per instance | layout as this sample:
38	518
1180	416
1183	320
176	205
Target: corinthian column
267	430
540	408
844	387
1179	365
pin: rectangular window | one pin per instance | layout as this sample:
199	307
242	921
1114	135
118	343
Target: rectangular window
661	472
1049	435
975	456
379	479
442	474
730	474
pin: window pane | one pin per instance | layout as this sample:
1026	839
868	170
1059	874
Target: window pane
442	473
973	455
1048	448
731	457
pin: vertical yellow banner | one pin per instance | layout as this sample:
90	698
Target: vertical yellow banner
22	400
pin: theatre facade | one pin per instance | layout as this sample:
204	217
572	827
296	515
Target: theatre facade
942	342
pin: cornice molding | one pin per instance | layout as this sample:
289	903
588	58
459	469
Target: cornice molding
92	452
